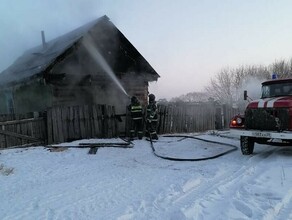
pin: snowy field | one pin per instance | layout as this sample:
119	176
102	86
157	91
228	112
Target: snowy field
132	183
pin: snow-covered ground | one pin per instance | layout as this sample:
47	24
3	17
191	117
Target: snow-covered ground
132	183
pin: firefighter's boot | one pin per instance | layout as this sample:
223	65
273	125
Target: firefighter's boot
140	135
154	136
132	135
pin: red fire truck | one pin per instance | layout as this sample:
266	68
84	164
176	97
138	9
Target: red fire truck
267	120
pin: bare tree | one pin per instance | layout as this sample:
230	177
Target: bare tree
282	68
191	97
221	86
227	86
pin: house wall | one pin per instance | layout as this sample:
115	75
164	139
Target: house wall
74	90
25	98
98	93
85	83
32	97
5	101
67	95
136	86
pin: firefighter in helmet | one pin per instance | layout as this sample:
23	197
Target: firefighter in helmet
152	118
136	125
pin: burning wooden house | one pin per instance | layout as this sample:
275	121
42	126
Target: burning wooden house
93	64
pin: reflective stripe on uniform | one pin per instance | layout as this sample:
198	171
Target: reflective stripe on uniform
136	108
137	118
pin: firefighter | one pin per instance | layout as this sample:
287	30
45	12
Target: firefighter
151	118
136	125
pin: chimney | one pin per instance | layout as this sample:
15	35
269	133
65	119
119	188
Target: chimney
44	40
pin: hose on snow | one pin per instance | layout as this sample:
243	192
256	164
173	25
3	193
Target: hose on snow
233	148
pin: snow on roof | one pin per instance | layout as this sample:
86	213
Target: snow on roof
36	60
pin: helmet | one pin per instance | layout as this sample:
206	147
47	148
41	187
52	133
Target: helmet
134	99
151	97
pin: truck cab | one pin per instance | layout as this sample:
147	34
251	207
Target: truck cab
267	120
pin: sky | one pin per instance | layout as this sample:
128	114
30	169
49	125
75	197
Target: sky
187	42
132	183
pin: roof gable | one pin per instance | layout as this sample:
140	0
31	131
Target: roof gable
37	60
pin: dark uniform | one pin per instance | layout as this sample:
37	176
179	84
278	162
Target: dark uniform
136	126
152	118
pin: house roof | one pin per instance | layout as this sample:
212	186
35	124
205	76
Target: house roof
36	61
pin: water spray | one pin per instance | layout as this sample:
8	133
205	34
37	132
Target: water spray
98	58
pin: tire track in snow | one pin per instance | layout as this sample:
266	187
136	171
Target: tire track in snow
278	211
191	203
282	209
166	198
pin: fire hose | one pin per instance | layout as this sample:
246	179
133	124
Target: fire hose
233	148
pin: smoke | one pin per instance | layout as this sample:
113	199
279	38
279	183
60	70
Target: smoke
253	87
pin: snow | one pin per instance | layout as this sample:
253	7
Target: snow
132	183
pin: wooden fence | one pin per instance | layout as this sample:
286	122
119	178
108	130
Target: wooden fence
80	122
58	124
63	124
22	130
186	118
190	117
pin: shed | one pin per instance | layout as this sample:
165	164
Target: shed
93	64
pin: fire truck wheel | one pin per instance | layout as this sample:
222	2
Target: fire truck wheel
246	145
